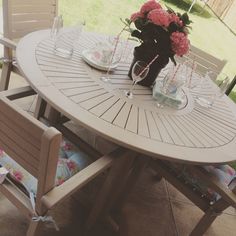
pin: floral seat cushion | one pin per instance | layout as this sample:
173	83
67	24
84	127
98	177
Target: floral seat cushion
224	173
71	160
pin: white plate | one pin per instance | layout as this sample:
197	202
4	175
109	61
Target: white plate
87	56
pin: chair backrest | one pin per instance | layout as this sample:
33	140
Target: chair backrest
30	143
204	61
21	17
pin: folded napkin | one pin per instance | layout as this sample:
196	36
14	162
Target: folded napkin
173	99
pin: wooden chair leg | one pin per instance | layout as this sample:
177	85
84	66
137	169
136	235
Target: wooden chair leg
5	76
40	108
34	228
204	223
209	217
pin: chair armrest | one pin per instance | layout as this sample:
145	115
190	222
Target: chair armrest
16	93
76	182
8	43
215	184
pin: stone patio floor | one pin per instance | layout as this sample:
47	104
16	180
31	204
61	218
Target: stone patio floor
152	209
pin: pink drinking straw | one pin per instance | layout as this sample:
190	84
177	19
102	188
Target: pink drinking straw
191	74
117	38
174	75
149	64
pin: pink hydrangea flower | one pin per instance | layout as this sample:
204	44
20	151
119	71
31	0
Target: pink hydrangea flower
179	43
159	17
150	5
174	18
136	15
18	175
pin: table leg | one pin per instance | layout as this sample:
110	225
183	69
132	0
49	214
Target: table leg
112	186
139	164
40	108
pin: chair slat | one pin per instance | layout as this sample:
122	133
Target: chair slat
39	8
31	2
29	25
31	17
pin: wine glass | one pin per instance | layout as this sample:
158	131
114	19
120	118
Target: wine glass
140	70
65	41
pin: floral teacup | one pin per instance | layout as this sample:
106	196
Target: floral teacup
103	53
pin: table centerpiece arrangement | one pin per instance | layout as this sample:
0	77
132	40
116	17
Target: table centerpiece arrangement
162	34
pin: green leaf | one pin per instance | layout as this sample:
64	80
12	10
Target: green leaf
170	9
173	60
126	22
185	19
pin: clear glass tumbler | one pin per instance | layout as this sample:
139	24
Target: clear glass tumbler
65	41
212	87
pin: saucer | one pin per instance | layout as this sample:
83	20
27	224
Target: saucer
87	56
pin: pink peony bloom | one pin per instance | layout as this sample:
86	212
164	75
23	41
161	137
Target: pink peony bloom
159	17
174	18
179	43
150	5
136	15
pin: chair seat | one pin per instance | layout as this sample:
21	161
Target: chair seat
70	161
225	174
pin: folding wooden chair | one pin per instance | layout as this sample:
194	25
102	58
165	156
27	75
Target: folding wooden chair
21	17
34	147
211	188
204	61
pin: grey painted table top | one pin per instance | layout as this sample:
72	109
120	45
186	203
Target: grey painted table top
190	133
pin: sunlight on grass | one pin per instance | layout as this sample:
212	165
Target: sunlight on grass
208	34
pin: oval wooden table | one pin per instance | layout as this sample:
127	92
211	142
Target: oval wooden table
190	134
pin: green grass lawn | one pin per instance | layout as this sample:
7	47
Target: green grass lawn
208	33
103	16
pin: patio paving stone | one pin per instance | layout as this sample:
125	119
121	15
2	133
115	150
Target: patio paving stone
187	216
